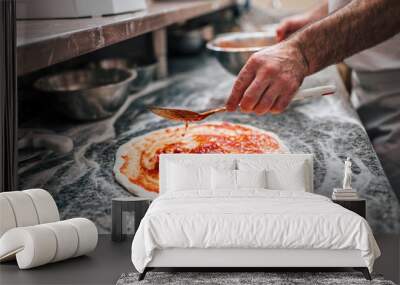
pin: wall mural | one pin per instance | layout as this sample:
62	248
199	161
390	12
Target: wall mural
123	150
137	161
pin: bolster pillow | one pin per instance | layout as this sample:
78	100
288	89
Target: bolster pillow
40	244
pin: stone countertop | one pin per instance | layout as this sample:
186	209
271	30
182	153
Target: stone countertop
82	181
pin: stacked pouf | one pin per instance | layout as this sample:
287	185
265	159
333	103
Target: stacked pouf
31	230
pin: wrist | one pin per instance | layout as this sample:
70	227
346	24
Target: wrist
298	53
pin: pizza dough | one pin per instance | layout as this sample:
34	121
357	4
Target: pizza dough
136	166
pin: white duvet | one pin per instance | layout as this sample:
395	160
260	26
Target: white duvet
250	218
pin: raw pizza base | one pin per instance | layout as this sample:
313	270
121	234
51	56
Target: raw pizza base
136	165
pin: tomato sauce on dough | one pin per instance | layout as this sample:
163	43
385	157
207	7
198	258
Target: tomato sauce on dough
201	139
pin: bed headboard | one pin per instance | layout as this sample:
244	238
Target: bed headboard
212	159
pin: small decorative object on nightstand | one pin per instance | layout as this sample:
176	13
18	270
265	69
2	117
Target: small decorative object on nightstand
357	206
137	205
347	197
347	192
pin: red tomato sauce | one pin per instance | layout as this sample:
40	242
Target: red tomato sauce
245	141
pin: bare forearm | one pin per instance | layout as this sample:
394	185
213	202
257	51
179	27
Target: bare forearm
359	25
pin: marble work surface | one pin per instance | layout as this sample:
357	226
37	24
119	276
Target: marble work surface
82	182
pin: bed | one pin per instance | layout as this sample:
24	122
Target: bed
245	211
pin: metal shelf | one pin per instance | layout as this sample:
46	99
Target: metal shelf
42	43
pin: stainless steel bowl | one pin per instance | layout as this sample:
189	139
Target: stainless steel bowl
145	71
234	49
86	94
183	42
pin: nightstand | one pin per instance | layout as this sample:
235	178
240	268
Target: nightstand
357	206
137	205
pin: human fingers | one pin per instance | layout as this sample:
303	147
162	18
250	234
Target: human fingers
283	30
244	79
267	100
284	99
254	92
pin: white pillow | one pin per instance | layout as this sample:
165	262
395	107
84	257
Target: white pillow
251	178
181	177
227	179
203	160
282	174
293	181
223	179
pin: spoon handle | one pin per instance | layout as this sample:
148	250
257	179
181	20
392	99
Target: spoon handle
300	95
214	111
314	92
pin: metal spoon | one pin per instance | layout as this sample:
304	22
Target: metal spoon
191	116
184	115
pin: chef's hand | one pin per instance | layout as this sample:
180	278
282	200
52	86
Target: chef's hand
269	79
292	24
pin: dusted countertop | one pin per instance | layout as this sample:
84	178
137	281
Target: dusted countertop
82	182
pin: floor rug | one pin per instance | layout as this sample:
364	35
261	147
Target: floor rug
244	278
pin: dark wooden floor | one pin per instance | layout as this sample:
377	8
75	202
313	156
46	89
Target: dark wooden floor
389	262
110	260
103	266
